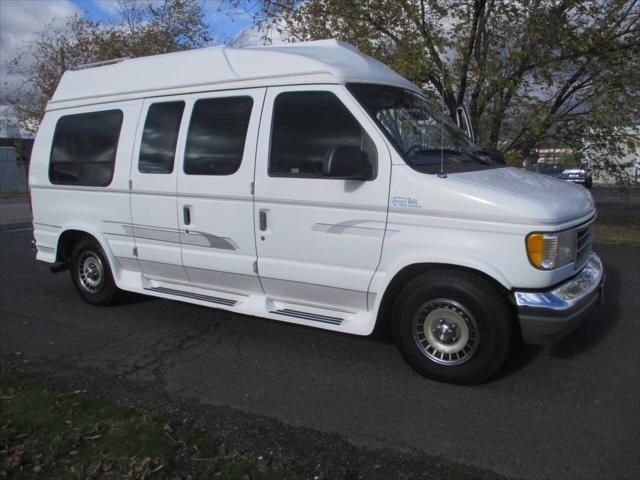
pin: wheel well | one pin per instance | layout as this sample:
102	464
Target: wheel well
66	243
408	273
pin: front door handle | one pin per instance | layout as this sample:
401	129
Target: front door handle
186	210
263	220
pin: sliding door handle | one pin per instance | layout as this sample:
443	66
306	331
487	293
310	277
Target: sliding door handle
263	220
186	210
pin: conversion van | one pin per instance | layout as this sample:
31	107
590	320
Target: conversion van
307	183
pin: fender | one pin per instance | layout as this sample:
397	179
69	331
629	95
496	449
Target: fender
91	230
384	275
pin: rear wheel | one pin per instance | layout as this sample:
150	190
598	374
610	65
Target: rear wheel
91	273
453	326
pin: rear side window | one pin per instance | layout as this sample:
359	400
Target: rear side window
84	148
216	137
159	138
307	126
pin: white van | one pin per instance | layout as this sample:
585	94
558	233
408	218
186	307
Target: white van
307	183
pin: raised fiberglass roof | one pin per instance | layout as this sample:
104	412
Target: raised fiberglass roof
324	61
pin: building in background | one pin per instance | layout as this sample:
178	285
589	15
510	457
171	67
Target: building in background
15	154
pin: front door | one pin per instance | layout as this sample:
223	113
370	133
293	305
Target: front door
319	239
215	197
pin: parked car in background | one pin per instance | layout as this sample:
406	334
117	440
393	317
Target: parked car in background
581	175
549	170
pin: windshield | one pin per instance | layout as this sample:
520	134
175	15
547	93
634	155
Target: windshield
419	131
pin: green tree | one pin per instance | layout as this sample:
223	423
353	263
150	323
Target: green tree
532	72
140	29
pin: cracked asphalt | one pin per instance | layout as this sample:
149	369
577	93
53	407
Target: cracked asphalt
567	412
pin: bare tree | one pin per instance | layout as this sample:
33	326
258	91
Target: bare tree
532	72
140	29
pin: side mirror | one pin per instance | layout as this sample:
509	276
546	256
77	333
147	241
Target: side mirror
348	163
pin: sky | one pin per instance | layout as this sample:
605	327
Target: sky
224	21
22	20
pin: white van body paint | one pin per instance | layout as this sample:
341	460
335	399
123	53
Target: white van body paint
223	68
331	247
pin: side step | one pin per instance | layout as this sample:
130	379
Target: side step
195	296
308	316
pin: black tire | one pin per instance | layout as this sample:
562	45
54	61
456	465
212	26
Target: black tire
453	301
91	273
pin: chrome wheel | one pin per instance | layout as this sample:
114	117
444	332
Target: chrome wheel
445	332
90	272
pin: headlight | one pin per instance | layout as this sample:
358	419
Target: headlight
547	251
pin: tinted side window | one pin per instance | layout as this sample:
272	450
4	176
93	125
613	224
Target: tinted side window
307	127
84	148
159	138
217	132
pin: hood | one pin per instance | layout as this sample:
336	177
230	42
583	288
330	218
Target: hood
520	196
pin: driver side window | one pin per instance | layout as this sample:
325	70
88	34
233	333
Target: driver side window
307	129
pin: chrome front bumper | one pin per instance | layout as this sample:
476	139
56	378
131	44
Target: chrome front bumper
546	316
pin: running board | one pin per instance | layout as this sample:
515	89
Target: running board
308	316
195	296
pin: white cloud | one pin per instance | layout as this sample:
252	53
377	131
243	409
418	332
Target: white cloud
20	23
21	20
110	7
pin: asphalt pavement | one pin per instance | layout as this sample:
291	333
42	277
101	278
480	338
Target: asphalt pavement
565	412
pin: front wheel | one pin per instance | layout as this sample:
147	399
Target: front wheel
453	326
91	273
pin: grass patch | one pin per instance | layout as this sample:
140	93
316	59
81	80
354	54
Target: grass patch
617	233
46	432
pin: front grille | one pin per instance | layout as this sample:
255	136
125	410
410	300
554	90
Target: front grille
583	246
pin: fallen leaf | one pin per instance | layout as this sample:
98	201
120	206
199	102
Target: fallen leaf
18	450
